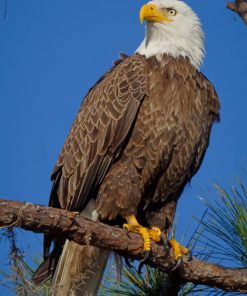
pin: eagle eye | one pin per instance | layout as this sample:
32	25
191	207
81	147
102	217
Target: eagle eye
171	11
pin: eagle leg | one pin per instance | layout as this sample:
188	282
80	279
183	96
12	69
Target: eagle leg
178	252
147	234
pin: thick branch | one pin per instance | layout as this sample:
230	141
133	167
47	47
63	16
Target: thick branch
240	7
83	231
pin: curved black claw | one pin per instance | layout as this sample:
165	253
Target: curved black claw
179	264
164	241
127	232
127	262
143	261
189	256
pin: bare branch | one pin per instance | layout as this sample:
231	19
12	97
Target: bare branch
83	231
240	7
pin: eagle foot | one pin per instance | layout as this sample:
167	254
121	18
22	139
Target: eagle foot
147	234
178	252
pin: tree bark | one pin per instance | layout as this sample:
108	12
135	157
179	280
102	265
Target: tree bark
84	231
240	7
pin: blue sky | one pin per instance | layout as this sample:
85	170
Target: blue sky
51	52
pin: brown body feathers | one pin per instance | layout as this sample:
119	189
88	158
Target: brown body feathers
140	135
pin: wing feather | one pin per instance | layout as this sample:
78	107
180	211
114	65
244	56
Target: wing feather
99	131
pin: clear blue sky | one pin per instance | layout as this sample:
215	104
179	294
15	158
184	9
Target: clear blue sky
51	52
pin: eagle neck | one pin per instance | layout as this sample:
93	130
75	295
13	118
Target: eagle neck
167	40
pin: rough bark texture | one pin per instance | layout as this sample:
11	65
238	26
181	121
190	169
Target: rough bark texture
240	7
83	231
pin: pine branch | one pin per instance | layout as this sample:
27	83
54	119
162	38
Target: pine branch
84	231
240	7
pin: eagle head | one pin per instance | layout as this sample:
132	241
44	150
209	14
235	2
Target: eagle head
172	28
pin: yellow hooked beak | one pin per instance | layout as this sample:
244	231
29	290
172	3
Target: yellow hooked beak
151	13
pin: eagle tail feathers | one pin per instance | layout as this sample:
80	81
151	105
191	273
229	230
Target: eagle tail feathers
79	271
80	268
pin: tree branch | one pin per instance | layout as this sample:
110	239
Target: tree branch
84	231
240	7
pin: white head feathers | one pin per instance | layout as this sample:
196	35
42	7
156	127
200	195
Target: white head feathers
182	36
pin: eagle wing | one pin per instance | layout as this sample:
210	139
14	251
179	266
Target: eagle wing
99	132
213	106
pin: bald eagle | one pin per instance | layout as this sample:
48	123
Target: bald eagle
139	137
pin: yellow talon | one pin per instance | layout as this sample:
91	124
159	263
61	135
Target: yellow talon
177	249
147	234
184	250
155	234
127	226
146	238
